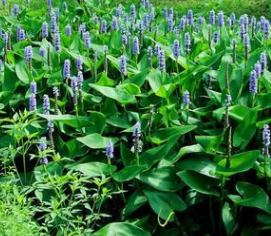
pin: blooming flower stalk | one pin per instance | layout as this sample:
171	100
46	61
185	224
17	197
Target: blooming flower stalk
137	147
33	87
79	63
46	105
253	84
57	43
220	21
86	37
67	69
161	60
103	26
32	102
187	43
186	99
28	54
56	95
109	150
74	90
123	66
212	17
150	55
45	33
135	46
263	61
266	140
68	30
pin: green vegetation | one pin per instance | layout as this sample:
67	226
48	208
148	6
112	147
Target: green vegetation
124	120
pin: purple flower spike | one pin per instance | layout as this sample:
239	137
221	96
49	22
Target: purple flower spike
124	39
54	27
146	20
74	85
212	17
135	46
56	91
266	29
115	25
170	24
57	13
16	10
109	150
165	12
266	139
46	104
258	69
186	98
187	43
68	30
182	24
21	35
118	12
176	48
57	43
161	60
67	69
33	87
28	53
190	17
49	3
80	80
44	30
253	83
4	3
79	63
133	11
64	6
123	66
136	138
42	144
86	37
263	61
104	26
216	37
44	161
32	102
221	22
82	29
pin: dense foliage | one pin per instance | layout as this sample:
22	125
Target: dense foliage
133	121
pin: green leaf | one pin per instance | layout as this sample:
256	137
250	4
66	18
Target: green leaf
153	155
121	229
135	201
199	164
93	169
80	121
115	93
163	179
251	196
128	173
228	218
96	141
164	135
164	204
200	183
238	163
22	71
246	129
10	79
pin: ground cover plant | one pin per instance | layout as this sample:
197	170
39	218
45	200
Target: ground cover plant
132	120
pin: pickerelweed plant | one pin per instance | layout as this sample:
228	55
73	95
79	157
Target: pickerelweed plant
127	120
